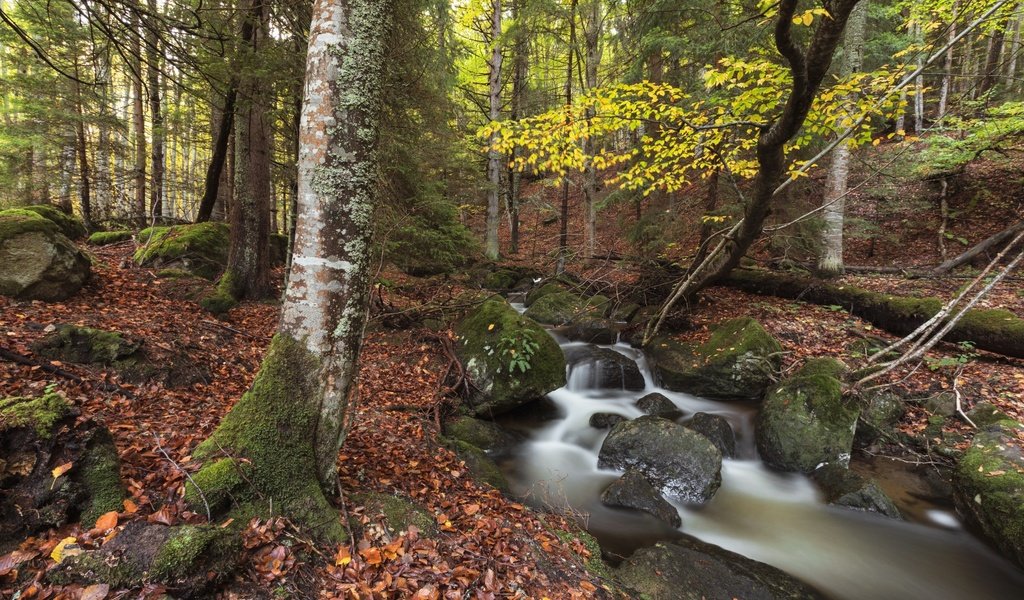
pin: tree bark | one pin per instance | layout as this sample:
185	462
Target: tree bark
291	423
995	53
563	233
493	156
830	263
520	64
211	187
248	269
592	42
156	115
139	121
978	249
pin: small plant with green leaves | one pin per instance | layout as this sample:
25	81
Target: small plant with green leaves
518	348
967	354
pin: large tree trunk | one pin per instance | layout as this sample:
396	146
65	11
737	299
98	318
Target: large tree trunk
992	60
248	270
493	156
291	423
830	263
84	195
520	64
563	233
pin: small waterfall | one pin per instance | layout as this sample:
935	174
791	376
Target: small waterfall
775	518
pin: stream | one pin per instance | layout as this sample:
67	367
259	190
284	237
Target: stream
779	519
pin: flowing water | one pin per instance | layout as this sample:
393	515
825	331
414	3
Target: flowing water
775	518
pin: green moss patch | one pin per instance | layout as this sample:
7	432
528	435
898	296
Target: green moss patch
399	512
16	221
76	344
43	413
69	225
104	238
561	307
201	248
100	473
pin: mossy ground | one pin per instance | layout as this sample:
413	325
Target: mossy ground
269	426
86	345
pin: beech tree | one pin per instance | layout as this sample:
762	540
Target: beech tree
285	432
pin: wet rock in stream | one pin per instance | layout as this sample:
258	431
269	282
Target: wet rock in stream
717	429
605	420
681	462
657	405
843	487
601	368
632	490
689	569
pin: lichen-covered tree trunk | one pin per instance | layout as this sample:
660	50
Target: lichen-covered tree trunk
830	263
289	426
493	156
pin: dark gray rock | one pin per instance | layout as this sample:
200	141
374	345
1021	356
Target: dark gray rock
592	331
681	463
602	369
879	417
632	490
843	487
688	569
657	405
605	420
717	429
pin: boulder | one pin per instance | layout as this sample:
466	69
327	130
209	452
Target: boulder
69	225
480	465
717	429
37	262
679	462
689	569
879	417
105	238
985	414
37	436
592	331
804	421
632	490
509	358
486	435
605	420
593	368
75	344
200	248
843	487
537	293
737	362
657	405
988	487
559	308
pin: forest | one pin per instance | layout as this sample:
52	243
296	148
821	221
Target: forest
367	299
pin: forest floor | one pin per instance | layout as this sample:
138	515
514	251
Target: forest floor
487	545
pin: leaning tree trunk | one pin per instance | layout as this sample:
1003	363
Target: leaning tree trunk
493	156
215	170
830	263
290	425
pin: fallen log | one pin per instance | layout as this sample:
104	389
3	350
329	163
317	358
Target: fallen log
994	330
979	248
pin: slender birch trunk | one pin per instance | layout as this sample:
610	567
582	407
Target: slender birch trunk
493	156
947	65
830	263
592	41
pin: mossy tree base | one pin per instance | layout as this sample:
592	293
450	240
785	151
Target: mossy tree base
267	441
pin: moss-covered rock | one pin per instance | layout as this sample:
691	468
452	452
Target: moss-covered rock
559	308
493	343
985	414
201	248
72	343
843	487
37	262
805	422
486	435
879	417
398	512
222	299
681	463
688	569
104	238
69	225
738	361
480	465
537	293
38	435
988	487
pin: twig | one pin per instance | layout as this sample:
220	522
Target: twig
231	329
24	360
959	397
209	517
